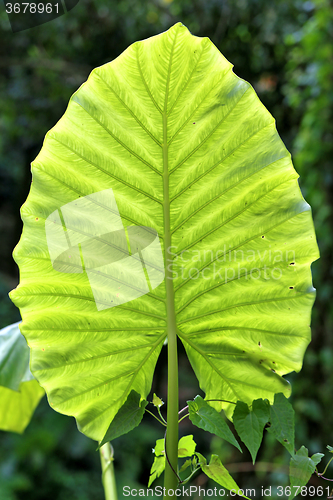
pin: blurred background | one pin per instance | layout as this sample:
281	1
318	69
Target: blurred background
284	49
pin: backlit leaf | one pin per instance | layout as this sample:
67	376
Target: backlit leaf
165	165
157	401
216	471
17	407
19	392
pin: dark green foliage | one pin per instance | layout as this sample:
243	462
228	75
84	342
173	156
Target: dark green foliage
282	418
127	418
250	424
207	418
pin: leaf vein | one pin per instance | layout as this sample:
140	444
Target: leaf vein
144	81
245	304
223	192
208	136
119	179
234	248
131	112
145	162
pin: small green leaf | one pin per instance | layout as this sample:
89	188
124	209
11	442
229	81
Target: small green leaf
156	469
186	446
207	418
159	447
157	401
201	459
216	471
282	422
185	465
316	458
301	469
330	448
127	418
250	424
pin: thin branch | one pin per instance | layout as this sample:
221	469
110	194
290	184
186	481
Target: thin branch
160	421
208	400
160	414
322	477
318	473
183	409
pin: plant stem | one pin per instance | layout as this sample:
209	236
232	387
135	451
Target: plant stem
108	476
171	441
160	414
152	414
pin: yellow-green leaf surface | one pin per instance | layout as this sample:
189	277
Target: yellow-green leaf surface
17	407
186	448
164	164
215	470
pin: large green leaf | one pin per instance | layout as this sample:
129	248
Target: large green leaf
164	146
19	392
